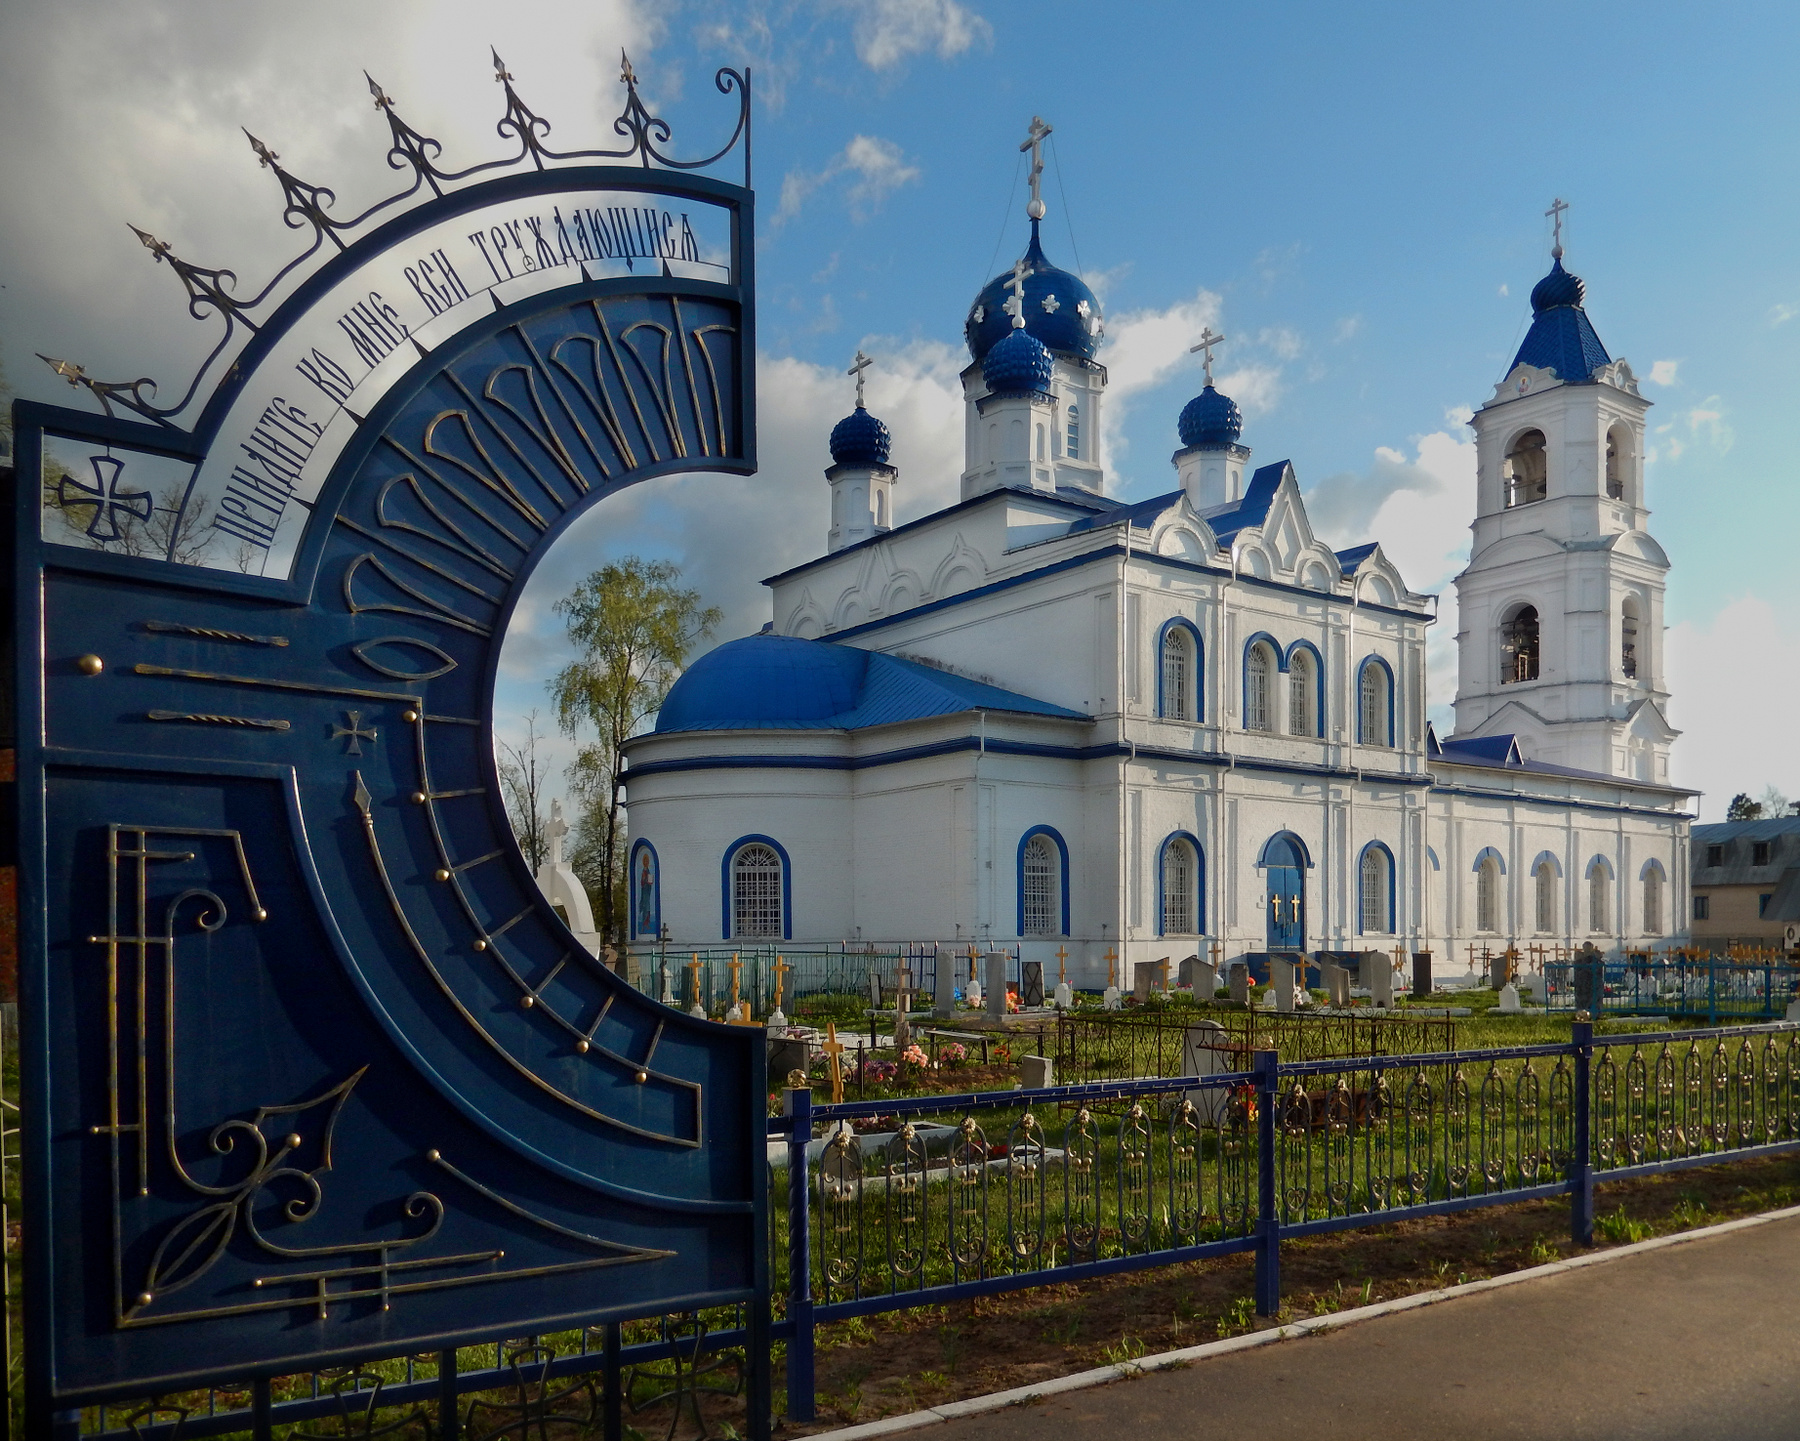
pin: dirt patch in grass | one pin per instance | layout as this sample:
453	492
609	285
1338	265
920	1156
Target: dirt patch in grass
888	1364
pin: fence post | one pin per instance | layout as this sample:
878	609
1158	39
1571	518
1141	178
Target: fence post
1581	1164
449	1412
797	1107
1268	1247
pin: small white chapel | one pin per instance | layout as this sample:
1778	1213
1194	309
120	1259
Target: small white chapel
1048	720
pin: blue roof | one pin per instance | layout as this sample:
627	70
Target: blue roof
1211	420
1060	310
1018	364
1348	560
1561	337
860	439
778	682
1253	509
1139	513
1501	752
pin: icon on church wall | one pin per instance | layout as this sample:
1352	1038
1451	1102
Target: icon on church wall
646	903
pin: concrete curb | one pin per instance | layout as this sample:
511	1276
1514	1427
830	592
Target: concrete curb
1187	1355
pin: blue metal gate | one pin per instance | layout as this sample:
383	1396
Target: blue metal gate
312	1072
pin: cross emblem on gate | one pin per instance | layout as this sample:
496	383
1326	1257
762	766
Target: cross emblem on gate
356	732
105	496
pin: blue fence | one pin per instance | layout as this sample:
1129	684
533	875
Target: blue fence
709	974
1673	984
894	1204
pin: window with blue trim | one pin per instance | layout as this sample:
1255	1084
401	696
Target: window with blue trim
1040	881
1259	686
1487	895
756	893
1180	889
1179	674
1303	693
1074	442
1377	892
1375	711
1546	898
1653	888
1597	880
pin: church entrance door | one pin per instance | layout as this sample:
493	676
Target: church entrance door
1286	901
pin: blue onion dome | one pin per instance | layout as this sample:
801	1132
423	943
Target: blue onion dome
1060	310
1557	288
1211	419
1018	364
860	439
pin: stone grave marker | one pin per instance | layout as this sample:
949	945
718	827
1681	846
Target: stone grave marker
786	1054
1499	970
1281	981
874	989
1240	982
1421	976
1143	976
1038	1071
1204	1053
1533	985
1378	975
943	991
1031	985
996	984
1203	976
1590	979
1509	1001
1336	980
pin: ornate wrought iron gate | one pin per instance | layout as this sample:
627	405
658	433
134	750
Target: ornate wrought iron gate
312	1071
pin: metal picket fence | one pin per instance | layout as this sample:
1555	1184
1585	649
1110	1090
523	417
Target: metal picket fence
893	1204
1674	983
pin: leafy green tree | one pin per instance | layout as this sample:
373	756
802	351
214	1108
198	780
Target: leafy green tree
1742	808
634	627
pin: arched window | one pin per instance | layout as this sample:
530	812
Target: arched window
1375	891
1618	457
1180	888
1073	445
1042	905
1598	884
1040	442
1527	473
1519	646
1179	673
1628	637
1303	694
1546	898
1653	899
1487	895
881	507
1374	717
756	892
1259	671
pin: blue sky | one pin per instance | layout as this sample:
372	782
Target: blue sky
1355	195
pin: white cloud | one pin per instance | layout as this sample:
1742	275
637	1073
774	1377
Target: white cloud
890	31
1144	348
1347	328
1662	372
1750	651
1706	421
1505	291
1286	343
877	168
1782	314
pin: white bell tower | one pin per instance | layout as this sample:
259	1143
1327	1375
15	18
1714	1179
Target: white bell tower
1561	607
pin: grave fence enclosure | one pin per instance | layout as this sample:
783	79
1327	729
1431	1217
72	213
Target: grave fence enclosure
894	1204
843	969
1675	984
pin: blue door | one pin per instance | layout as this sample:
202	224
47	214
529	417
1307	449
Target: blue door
1285	901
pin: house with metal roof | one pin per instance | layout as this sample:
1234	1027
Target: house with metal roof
1746	883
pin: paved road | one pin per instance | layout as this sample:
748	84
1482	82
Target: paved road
1687	1343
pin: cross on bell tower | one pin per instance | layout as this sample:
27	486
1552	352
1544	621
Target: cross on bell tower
857	367
1034	142
1207	341
1555	214
1015	303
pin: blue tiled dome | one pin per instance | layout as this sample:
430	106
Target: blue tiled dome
860	439
1557	288
1019	363
1210	419
1060	310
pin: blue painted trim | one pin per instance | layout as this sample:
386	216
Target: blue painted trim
631	898
787	885
1262	857
1541	857
1262	637
1062	849
1393	693
1199	880
1559	803
1199	669
1287	664
1432	856
1484	853
1604	865
1392	870
1653	864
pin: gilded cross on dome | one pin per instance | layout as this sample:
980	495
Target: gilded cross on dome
1207	341
1555	215
1034	142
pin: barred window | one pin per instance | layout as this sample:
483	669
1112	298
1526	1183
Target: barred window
1074	442
1178	898
1597	907
1546	898
1040	881
756	893
1653	902
1177	674
1374	892
1257	711
1374	716
1301	694
1487	896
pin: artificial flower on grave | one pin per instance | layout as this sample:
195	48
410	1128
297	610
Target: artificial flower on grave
952	1055
913	1056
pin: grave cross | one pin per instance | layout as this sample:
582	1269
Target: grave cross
693	970
857	368
1034	142
735	1012
1555	214
833	1049
1112	967
1062	966
781	970
1207	341
355	732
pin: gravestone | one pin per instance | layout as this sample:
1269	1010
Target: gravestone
1143	976
1038	1071
996	984
1499	970
1203	976
1509	1001
786	1053
1281	980
1336	981
1590	976
1534	986
1031	985
1421	976
1240	982
1204	1052
943	994
1378	975
874	990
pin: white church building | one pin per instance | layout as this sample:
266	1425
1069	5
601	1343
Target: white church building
1047	719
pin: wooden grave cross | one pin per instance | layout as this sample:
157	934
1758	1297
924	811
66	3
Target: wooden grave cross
693	970
833	1049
